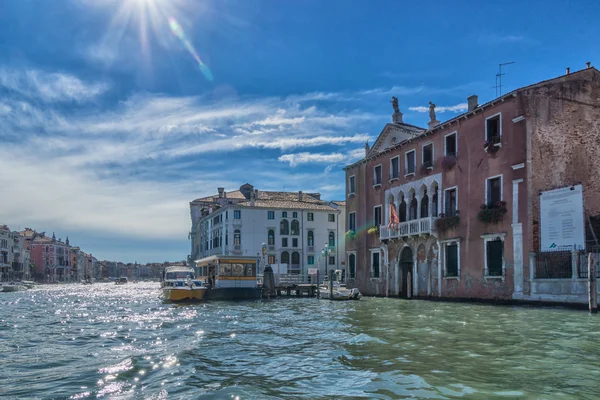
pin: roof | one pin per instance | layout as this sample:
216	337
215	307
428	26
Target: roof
264	195
443	125
287	205
339	203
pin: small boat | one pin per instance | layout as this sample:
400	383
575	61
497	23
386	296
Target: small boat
29	284
334	290
180	283
13	287
121	281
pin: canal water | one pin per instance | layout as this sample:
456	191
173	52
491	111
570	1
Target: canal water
123	342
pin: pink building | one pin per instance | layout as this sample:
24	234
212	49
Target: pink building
50	256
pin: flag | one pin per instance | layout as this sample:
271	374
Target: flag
394	220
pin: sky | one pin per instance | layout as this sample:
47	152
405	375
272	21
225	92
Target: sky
115	114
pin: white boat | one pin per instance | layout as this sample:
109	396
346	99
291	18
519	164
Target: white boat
180	283
13	287
29	284
334	290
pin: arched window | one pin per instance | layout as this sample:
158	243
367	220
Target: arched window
425	206
311	238
295	258
434	203
271	237
284	227
413	208
402	211
352	265
295	227
285	257
237	237
331	239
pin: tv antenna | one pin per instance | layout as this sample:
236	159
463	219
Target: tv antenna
498	85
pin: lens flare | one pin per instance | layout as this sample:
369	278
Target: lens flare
178	31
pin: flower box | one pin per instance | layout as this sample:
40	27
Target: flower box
449	161
445	222
492	213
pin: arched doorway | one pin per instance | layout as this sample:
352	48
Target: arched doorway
406	266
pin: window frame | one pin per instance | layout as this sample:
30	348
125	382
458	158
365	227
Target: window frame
353	213
295	214
487	183
423	154
371	263
377	183
392	177
284	214
270	214
310	216
489	238
455	133
237	214
406	171
499	115
351	183
269	237
308	235
455	188
445	244
330	236
330	219
351	275
310	260
375	214
284	243
295	243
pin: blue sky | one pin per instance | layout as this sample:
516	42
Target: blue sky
109	127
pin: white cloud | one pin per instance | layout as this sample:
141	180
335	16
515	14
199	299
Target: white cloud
309	158
458	108
50	87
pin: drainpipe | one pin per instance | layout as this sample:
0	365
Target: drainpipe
387	268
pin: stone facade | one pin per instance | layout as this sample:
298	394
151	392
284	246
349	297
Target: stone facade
503	152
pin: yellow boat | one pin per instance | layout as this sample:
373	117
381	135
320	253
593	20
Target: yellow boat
179	283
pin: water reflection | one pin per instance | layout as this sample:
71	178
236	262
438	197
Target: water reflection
122	341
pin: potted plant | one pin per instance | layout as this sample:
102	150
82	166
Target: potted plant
350	235
426	167
492	213
449	161
445	222
373	231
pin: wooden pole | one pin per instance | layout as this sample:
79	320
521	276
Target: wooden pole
593	295
331	284
318	290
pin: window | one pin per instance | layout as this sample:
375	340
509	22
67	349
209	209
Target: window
226	214
450	201
493	190
310	216
331	217
237	214
270	214
295	258
310	238
493	127
377	216
412	210
352	185
410	160
494	255
331	239
284	242
226	239
331	260
352	265
450	144
394	168
285	257
402	210
375	263
284	214
377	175
295	227
271	238
237	237
284	227
428	155
352	221
434	203
311	260
294	242
424	205
271	259
451	259
294	214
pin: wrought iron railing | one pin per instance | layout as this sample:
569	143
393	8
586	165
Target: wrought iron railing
554	264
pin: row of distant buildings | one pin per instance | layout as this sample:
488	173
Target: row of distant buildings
501	202
32	255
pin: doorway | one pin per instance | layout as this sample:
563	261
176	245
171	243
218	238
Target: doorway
406	266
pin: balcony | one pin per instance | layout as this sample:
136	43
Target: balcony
310	249
415	227
271	248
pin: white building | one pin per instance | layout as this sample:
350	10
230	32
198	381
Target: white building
14	257
295	226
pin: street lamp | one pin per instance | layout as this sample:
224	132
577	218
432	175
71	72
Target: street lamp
325	252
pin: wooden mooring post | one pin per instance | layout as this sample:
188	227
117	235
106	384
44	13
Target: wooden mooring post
592	288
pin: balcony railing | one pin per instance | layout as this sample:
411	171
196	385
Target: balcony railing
421	226
310	249
271	248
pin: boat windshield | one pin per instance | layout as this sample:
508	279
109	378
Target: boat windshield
180	275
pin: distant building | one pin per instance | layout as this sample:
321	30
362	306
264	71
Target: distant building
50	256
14	256
458	204
295	227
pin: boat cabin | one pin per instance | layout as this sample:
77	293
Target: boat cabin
222	272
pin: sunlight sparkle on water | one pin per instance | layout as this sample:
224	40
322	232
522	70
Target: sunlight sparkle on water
178	31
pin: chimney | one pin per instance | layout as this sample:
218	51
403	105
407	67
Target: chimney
300	195
367	149
472	102
568	70
221	190
589	64
252	198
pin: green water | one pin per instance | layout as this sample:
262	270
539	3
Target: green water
123	342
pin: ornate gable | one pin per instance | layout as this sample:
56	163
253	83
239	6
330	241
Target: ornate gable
393	134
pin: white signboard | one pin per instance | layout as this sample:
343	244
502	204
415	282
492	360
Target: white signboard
312	271
561	218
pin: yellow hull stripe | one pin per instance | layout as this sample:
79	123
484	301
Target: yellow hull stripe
179	294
